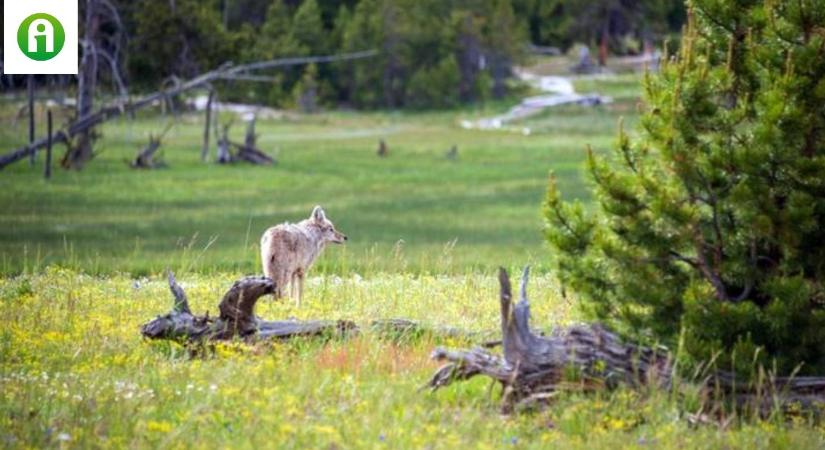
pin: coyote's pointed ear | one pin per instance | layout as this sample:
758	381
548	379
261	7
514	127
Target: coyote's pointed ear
318	214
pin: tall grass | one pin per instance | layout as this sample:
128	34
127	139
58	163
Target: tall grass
74	372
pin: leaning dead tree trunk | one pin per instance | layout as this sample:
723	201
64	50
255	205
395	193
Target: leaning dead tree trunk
145	158
236	319
532	367
226	71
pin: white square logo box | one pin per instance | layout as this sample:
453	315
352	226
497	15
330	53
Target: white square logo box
41	35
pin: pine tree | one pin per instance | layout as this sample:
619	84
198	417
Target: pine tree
505	41
307	29
710	225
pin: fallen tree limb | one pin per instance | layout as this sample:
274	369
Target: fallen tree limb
532	364
533	368
87	122
250	154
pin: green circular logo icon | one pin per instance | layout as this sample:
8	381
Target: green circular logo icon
41	37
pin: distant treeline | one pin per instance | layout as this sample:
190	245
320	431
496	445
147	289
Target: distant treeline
433	53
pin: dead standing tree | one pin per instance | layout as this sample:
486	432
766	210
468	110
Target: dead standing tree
100	49
383	150
208	123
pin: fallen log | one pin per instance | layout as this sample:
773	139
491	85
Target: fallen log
250	154
236	319
532	368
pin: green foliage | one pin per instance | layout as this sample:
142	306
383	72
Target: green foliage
435	86
564	22
710	223
416	39
307	29
181	38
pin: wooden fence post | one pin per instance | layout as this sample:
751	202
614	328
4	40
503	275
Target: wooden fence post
30	86
48	169
205	148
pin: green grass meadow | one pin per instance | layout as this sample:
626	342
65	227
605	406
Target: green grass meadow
82	258
412	211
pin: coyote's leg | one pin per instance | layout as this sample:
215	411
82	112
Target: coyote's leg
281	280
299	281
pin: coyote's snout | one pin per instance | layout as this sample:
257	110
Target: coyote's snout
288	249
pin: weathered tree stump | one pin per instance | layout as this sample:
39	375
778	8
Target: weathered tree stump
243	152
145	158
452	153
236	319
224	153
